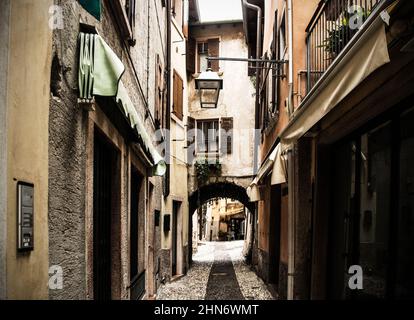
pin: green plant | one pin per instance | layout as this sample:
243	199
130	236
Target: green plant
336	40
204	170
339	37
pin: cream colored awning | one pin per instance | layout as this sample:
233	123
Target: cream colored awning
274	164
367	55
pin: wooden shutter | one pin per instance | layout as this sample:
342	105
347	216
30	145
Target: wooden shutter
191	55
214	51
227	134
173	6
178	95
185	19
174	105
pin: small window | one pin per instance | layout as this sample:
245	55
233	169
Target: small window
208	136
124	13
177	9
208	48
282	38
214	136
202	50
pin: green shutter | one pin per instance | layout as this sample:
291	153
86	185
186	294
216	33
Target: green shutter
93	7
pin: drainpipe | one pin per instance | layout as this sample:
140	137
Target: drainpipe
290	53
258	56
291	168
148	49
168	78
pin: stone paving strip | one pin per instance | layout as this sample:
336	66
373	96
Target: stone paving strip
251	286
193	285
217	263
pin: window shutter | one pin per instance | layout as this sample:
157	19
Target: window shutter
178	95
175	93
227	134
185	19
214	51
180	98
158	91
191	55
190	139
173	6
275	73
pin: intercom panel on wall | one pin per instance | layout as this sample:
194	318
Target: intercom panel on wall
25	216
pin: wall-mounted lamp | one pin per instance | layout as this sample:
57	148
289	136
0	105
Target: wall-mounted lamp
209	85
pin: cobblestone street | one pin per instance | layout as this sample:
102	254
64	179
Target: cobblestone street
218	272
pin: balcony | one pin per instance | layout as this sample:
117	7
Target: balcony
333	25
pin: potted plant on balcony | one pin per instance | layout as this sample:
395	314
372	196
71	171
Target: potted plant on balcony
204	169
339	37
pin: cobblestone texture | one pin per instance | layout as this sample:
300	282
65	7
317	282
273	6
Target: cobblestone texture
193	286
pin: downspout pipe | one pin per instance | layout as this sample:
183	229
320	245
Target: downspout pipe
290	52
168	73
291	165
258	56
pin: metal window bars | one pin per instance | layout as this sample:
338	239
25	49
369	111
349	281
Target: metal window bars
333	25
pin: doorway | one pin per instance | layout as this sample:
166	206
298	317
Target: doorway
274	234
137	272
105	160
175	237
371	220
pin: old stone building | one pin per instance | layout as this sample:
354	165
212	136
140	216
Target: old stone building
220	135
104	193
174	236
273	145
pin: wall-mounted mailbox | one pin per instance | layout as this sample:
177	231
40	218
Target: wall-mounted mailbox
25	211
167	222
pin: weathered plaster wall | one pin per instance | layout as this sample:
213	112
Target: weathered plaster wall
236	99
4	59
178	177
68	168
27	142
67	161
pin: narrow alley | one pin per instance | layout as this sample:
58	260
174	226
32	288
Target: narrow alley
206	150
218	273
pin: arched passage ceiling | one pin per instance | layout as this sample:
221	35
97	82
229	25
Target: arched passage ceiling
219	190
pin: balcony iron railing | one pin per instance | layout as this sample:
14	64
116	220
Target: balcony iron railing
333	25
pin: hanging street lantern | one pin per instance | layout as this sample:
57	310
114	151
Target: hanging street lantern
209	85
